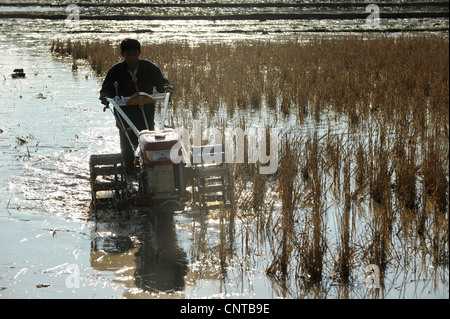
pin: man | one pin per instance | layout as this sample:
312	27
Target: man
133	75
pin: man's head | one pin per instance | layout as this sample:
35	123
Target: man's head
130	49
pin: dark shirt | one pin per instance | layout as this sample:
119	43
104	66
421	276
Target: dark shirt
148	76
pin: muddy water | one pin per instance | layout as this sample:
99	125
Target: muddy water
49	124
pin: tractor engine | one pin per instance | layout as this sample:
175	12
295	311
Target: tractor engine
161	179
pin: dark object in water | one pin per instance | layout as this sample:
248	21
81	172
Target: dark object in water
18	73
42	285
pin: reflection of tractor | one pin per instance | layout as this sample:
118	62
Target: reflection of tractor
163	184
142	253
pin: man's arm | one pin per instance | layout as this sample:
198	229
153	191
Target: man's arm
107	89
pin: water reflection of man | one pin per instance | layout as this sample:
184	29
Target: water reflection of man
133	75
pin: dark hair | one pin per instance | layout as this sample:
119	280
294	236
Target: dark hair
130	45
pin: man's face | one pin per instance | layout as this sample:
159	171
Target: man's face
131	57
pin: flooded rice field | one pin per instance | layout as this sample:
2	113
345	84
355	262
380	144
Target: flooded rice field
52	246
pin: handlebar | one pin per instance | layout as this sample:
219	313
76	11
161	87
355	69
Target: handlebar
140	99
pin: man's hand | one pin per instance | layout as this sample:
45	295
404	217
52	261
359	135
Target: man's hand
168	89
103	100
